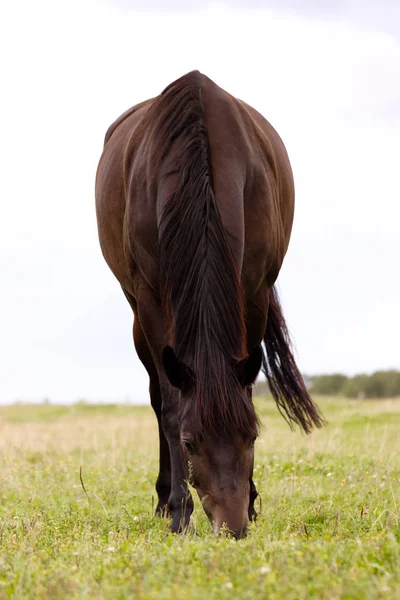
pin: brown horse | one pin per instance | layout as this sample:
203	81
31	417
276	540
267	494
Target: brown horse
195	200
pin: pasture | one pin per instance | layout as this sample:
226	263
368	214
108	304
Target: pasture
328	520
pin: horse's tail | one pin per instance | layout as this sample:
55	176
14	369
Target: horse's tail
284	378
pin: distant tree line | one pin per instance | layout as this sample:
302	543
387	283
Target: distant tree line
381	384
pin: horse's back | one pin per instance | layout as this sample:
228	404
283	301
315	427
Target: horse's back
251	178
135	112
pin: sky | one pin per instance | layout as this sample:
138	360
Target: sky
326	75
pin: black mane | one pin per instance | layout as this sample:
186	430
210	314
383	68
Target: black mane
200	283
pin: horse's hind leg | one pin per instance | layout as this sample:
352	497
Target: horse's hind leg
163	484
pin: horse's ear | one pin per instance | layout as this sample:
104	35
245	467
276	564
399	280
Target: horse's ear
175	370
248	368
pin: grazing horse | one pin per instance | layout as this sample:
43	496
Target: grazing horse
195	202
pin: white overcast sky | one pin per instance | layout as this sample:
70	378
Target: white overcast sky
327	75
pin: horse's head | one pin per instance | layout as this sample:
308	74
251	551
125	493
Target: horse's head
217	438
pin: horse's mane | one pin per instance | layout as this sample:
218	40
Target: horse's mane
200	283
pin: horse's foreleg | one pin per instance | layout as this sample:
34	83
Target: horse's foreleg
256	319
172	486
163	485
253	496
180	502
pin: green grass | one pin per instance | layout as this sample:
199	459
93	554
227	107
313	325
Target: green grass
328	526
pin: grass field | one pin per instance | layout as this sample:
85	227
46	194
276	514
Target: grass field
328	526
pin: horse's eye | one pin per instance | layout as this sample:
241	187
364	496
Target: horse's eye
190	446
251	445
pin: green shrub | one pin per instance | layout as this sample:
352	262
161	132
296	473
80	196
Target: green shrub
328	385
355	387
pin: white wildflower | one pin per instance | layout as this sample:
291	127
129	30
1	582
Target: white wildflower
265	569
229	585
